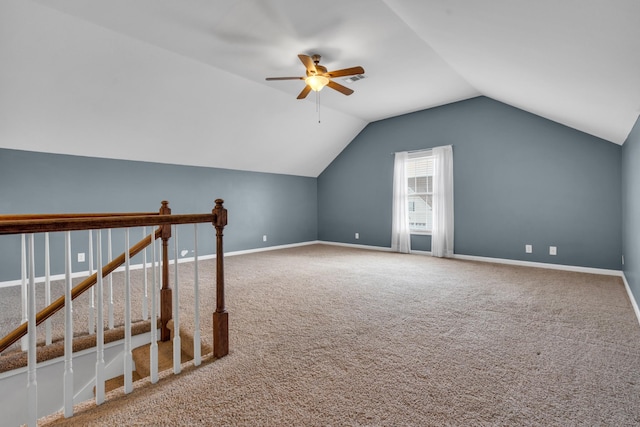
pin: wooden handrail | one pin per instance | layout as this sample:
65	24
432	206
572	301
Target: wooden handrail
13	217
94	223
78	290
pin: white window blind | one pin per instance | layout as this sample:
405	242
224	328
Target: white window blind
419	173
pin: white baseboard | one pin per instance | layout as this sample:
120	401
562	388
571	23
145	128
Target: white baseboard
271	248
352	245
421	252
579	269
77	274
631	297
18	282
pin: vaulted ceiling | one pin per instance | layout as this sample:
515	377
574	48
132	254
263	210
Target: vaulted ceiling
183	81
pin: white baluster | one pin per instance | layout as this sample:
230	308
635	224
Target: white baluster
92	291
128	358
196	290
153	356
32	384
24	342
110	258
100	374
68	331
177	349
145	299
47	286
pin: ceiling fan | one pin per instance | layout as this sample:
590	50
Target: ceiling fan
318	76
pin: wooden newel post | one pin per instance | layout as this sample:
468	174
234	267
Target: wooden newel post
166	309
220	316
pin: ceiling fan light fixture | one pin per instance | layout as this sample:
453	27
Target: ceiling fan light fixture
316	83
318	77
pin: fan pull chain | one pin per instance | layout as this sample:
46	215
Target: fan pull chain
318	105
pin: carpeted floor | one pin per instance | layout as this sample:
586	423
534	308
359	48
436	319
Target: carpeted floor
331	336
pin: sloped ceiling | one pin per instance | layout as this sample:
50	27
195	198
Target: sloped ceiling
183	81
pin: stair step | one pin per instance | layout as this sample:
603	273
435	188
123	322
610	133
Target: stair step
141	357
142	361
117	382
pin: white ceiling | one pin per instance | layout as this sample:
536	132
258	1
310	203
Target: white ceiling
183	81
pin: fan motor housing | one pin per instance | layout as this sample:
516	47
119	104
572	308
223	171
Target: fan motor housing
320	70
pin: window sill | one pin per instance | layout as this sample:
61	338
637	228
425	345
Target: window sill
421	233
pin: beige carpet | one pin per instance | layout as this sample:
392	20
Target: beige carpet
332	336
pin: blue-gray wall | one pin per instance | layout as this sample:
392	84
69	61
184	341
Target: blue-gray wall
283	207
631	209
518	179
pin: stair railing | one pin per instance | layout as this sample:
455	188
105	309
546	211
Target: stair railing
45	223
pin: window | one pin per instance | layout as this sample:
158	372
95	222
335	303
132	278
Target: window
419	173
417	177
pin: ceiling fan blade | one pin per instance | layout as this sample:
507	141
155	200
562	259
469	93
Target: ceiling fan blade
342	89
308	63
304	92
284	78
346	72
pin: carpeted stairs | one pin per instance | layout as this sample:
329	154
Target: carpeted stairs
141	357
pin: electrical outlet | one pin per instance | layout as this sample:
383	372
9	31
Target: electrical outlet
80	256
357	236
264	238
528	249
553	250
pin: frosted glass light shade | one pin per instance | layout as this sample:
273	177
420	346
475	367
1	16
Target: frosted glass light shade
317	82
